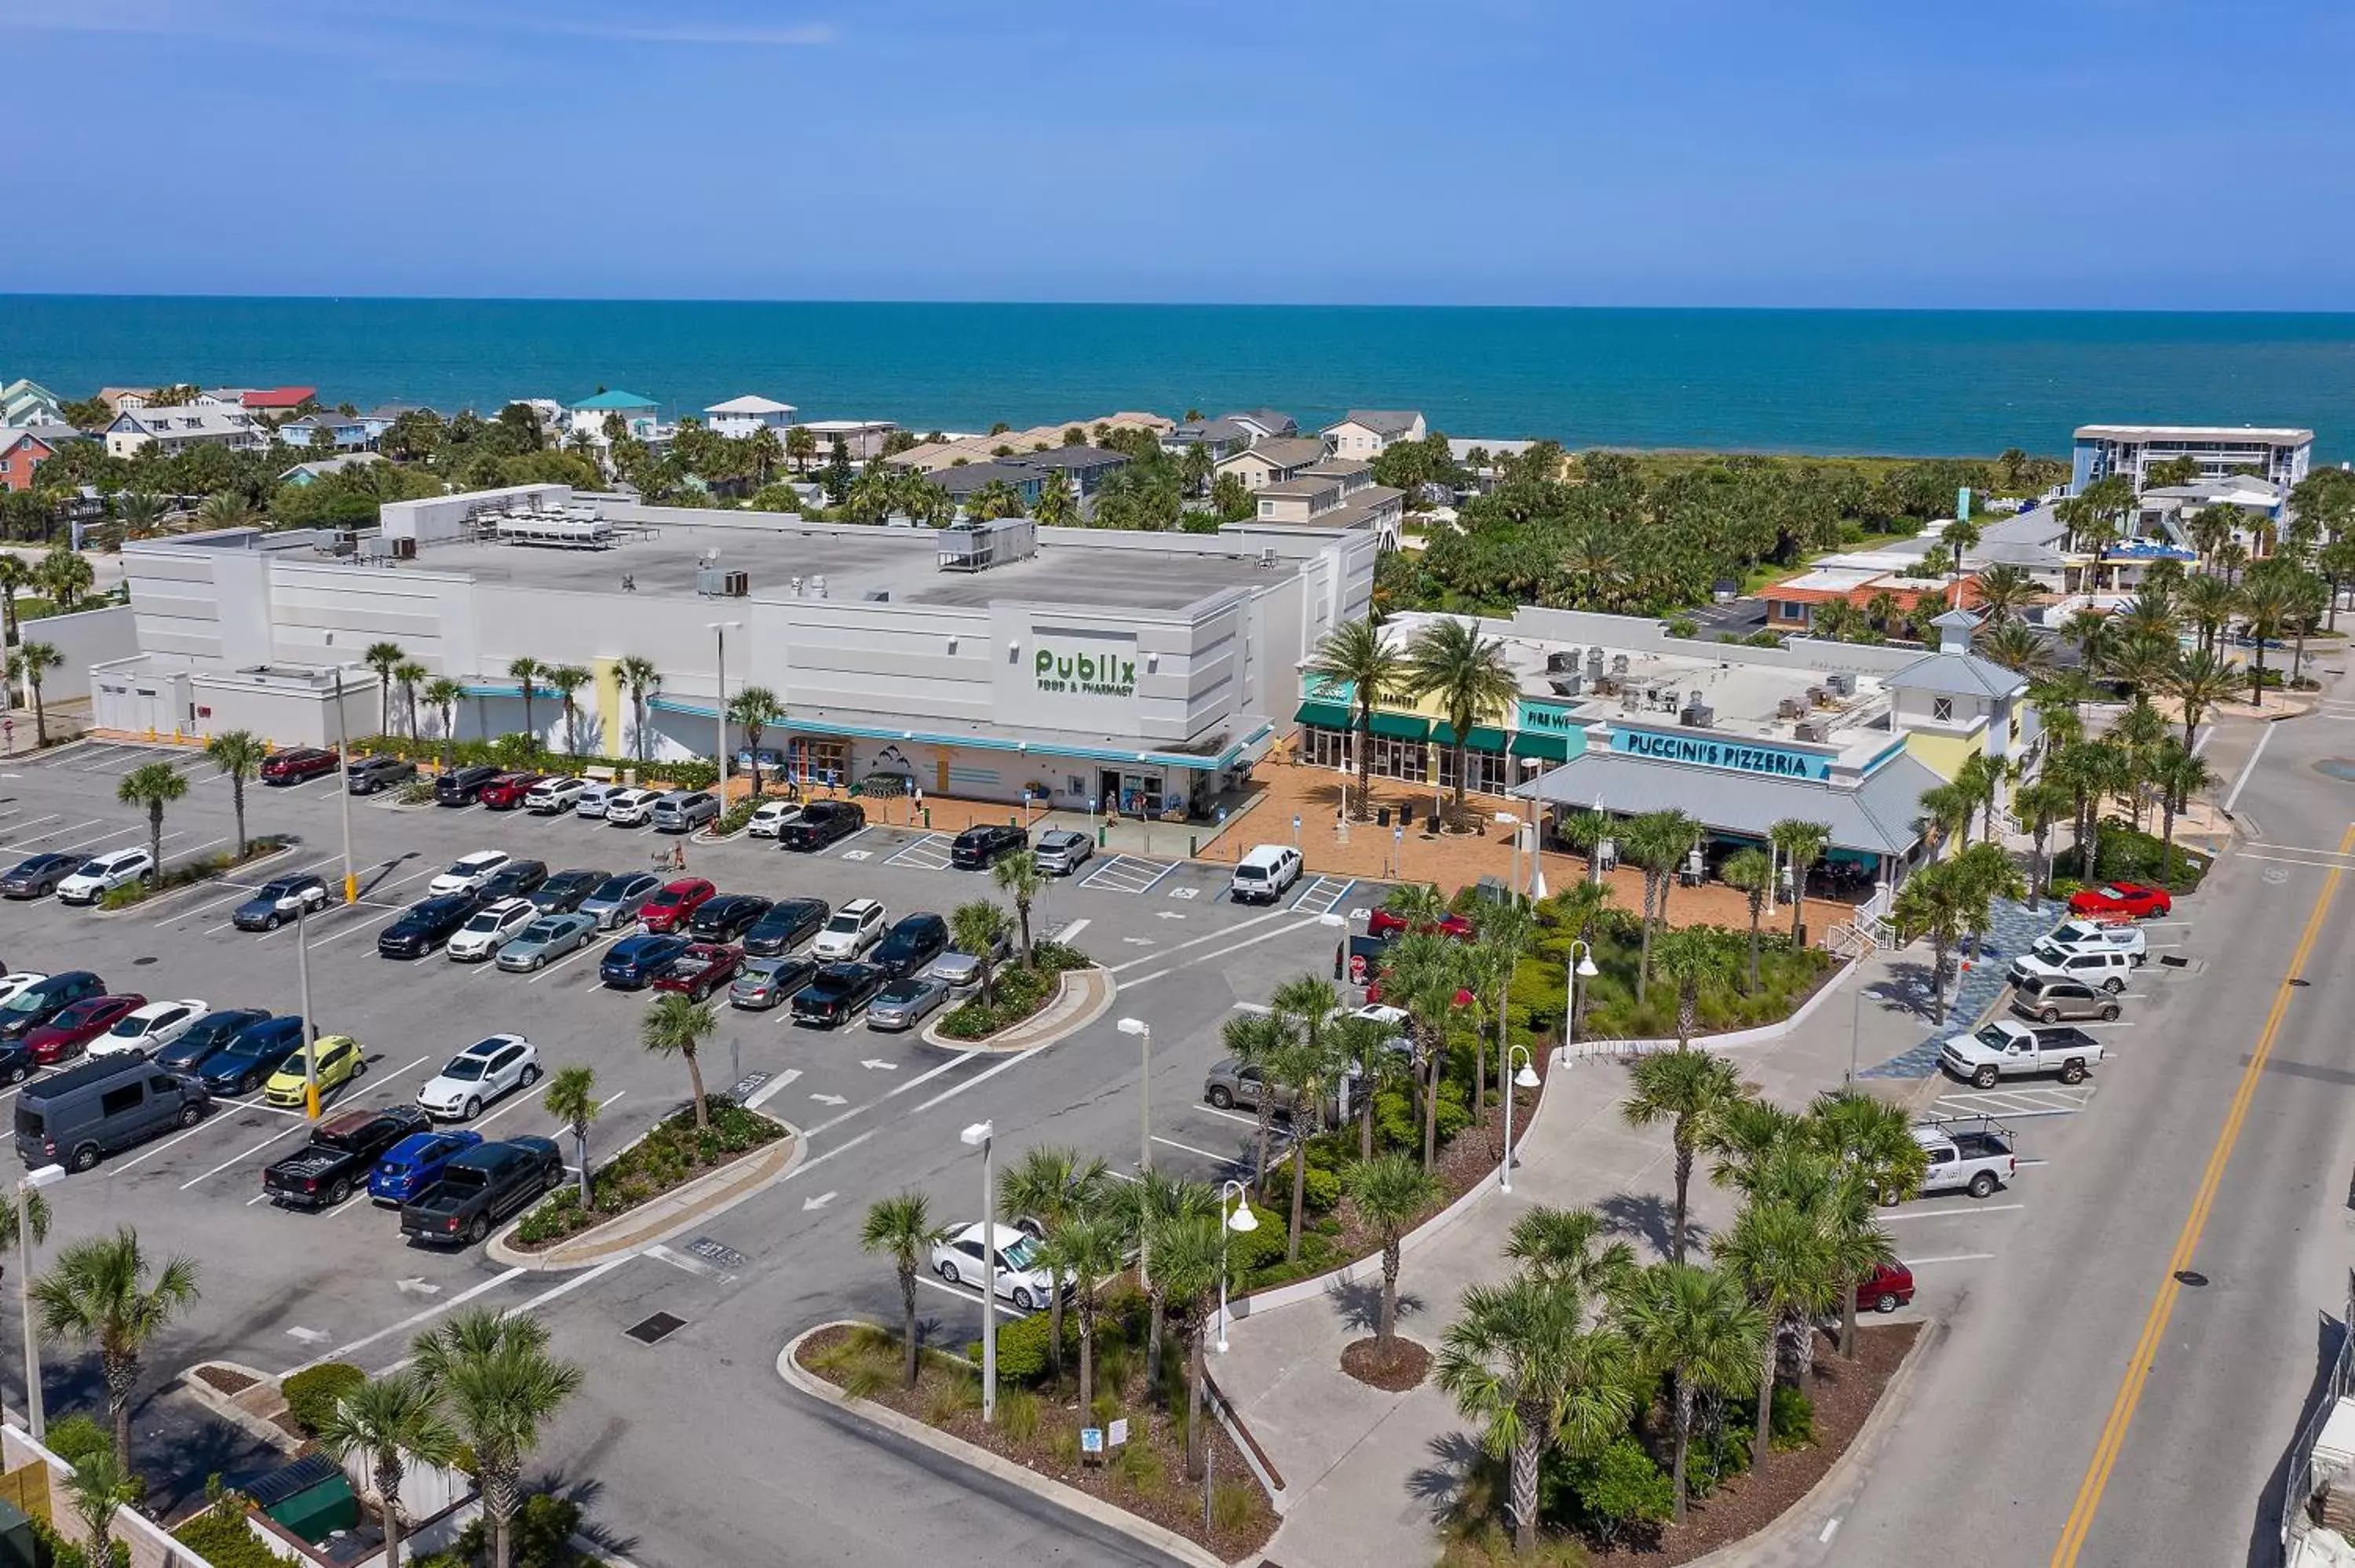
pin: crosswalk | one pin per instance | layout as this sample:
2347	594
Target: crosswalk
2018	1101
1322	894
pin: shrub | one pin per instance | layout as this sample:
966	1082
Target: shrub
541	1535
1022	1347
1251	1251
1017	1414
220	1536
312	1393
952	1397
416	792
1682	625
734	819
76	1438
1231	1505
1791	1424
2121	854
1136	1465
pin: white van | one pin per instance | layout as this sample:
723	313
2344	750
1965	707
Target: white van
1262	875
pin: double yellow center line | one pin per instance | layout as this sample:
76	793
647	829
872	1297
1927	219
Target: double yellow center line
2154	1327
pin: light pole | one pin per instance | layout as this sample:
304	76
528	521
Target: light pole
720	630
302	993
1144	1032
978	1136
26	1184
1527	1078
343	793
1583	969
1531	765
1242	1222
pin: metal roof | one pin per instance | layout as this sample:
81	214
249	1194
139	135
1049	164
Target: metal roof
1876	817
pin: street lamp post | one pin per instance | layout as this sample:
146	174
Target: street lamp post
302	995
720	630
26	1185
1144	1032
1241	1221
1531	765
1583	969
344	791
978	1136
1526	1078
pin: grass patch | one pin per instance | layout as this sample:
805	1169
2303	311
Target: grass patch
670	1156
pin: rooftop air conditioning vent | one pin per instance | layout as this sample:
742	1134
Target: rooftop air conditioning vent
1789	708
1841	683
1565	685
1698	717
1619	663
714	582
1561	660
878	596
1809	731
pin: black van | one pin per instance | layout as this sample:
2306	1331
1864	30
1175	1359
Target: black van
464	786
75	1118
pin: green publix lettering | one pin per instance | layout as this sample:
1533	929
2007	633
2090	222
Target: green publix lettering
1100	674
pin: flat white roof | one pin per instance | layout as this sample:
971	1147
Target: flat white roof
751	403
2276	435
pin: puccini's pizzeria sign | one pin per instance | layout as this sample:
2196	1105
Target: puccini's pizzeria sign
1740	756
1085	675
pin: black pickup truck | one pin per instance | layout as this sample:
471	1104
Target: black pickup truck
480	1187
336	1161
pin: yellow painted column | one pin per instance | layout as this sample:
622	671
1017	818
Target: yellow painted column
609	706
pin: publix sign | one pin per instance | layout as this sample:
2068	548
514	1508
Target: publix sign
1083	674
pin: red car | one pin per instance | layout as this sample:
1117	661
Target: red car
2130	899
298	764
668	909
505	792
700	971
65	1034
1889	1287
1386	923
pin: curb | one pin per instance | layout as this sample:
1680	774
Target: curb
623	1234
1779	1533
148	904
1012	1042
982	1459
227	1407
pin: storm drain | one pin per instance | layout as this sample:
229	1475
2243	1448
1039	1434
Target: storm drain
143	963
2174	961
653	1330
2191	1277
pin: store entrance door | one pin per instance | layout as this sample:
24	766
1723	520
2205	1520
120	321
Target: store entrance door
1108	790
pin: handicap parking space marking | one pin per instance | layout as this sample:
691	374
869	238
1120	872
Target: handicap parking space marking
929	853
1128	873
1320	896
845	852
2025	1101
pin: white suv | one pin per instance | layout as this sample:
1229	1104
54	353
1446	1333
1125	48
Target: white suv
2105	968
482	1071
487	931
594	799
771	819
1262	876
467	872
2091	937
854	928
631	808
101	875
551	797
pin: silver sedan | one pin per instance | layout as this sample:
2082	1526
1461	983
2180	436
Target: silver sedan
905	1003
547	939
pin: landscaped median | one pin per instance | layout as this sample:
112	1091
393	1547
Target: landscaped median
1016	994
211	868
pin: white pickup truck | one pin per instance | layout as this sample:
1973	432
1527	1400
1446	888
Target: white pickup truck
1972	1157
2002	1049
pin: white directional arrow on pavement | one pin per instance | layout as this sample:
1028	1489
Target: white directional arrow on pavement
820	1202
830	1099
1171	914
873	1064
1138	941
416	1286
308	1336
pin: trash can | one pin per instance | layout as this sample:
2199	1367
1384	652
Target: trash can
1382	816
1406	816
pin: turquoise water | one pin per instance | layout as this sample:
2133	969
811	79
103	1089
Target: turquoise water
1909	382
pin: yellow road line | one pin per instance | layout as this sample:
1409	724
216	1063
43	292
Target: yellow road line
2154	1327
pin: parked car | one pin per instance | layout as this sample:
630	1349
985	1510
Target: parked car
958	1258
244	1063
481	1186
373	775
850	930
983	844
566	891
618	898
36	1004
788	923
1232	1083
2002	1049
37	876
340	1157
298	765
762	983
70	1032
675	905
77	1118
913	941
2131	900
2096	936
771	818
20	980
468	873
702	968
1062	852
726	917
2052	1000
488	928
594	797
425	925
415	1162
684	811
206	1038
464	786
904	1003
546	939
835	993
2108	968
478	1074
631	963
553	797
1262	875
822	822
147	1030
1387	923
340	1060
515	878
101	875
507	792
1889	1287
631	808
1973	1157
961	972
279	900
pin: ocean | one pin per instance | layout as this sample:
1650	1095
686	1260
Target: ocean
1894	382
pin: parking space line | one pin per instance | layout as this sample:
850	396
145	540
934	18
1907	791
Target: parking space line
595	942
1213	953
1128	873
1325	892
1222	1160
970	1297
60	832
1951	1257
1198	941
836	853
411	1320
1950	1213
927	854
982	1077
1250	1121
301	1124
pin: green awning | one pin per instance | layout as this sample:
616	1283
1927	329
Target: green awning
1402	726
1325	716
1551	748
1483	739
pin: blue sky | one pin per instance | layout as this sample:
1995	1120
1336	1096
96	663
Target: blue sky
2135	154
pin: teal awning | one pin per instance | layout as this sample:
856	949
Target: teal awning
1482	738
1551	748
1402	726
1325	716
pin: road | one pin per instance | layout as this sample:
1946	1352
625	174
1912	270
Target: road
2133	1353
691	1450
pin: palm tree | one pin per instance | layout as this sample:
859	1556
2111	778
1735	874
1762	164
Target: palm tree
800	445
1018	877
753	709
98	1292
2267	600
1783	1258
1189	1256
1147	1205
765	452
408	675
1390	1192
1356	655
1585	831
571	1099
225	509
1467	672
65	576
1801	843
526	673
27	664
1305	1064
2210	603
2004	590
96	1488
1984	778
2039	806
495	1376
677	1025
1657	842
901	1228
239	754
16	575
1521	1362
389	1422
1057	505
978	927
1873	1141
151	787
2013	645
444	694
384	658
1687	957
1089	1248
2180	774
1946	812
566	680
1572	1249
1426	973
2201	681
1503	935
1695	1326
1689	1090
1751	872
639	678
1936	902
1055	1186
1253	1039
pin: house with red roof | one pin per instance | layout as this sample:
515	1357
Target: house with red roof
279	399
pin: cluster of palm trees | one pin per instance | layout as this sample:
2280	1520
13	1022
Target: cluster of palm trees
1560	1355
1448	663
753	708
884	489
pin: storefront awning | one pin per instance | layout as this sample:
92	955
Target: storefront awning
1325	716
1876	818
1482	737
1402	726
1550	748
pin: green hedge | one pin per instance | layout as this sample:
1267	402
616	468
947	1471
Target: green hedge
510	751
312	1393
222	1537
2123	854
670	1156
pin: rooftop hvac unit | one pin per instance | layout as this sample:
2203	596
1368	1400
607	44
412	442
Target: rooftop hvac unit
1815	697
972	547
1698	717
1268	557
1619	663
715	582
1841	683
877	596
1810	730
1629	701
405	549
1789	708
1561	661
1565	685
1594	663
817	587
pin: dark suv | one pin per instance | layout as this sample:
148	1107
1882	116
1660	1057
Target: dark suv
985	845
913	941
822	822
372	774
464	786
